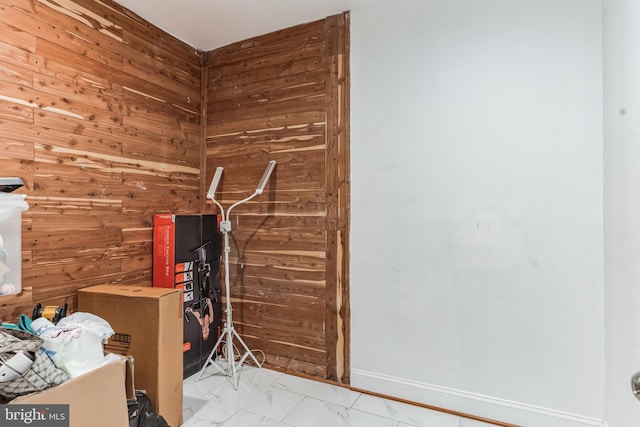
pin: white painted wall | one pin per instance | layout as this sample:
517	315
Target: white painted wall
477	206
622	207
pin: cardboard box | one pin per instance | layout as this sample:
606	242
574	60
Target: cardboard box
152	318
97	398
186	255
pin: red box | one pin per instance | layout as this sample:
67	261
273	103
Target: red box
186	255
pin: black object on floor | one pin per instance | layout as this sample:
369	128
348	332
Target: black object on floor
142	414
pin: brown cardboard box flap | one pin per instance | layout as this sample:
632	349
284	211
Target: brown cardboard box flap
130	290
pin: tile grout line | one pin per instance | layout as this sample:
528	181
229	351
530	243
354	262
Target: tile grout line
271	385
356	400
294	408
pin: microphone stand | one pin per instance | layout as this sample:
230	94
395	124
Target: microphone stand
229	332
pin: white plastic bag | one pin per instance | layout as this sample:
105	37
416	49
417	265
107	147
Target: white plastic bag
75	343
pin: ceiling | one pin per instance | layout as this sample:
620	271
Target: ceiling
209	24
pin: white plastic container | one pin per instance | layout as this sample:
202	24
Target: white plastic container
40	325
11	207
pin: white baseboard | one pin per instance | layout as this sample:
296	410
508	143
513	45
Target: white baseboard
469	403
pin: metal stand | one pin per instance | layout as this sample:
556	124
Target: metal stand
229	332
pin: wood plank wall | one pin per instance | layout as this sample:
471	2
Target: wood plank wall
284	96
104	117
100	114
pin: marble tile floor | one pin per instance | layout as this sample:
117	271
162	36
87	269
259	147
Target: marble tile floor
267	398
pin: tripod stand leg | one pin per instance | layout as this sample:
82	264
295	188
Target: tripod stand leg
211	355
231	359
247	351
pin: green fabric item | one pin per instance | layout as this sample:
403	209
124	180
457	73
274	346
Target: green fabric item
24	324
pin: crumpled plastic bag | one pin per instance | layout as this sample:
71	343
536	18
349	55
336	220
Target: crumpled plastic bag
75	343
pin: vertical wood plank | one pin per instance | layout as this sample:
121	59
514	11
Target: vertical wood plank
203	129
337	197
344	198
